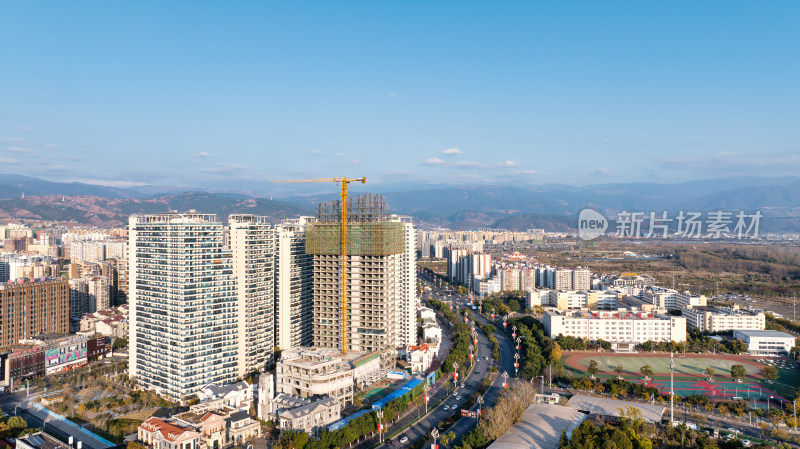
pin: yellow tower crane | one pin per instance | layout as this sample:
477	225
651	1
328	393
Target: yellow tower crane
343	259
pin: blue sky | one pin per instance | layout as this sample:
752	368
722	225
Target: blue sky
230	94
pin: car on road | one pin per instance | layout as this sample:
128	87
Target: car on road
731	429
403	439
746	443
454	406
454	393
446	407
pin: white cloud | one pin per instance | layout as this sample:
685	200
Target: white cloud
11	139
222	169
316	151
432	161
340	154
729	164
8	160
353	162
509	164
452	152
85	150
56	167
469	164
73	157
110	183
203	154
20	150
51	146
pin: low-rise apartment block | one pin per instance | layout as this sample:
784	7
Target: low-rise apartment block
307	372
721	319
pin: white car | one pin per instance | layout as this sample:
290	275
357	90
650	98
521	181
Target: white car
403	439
746	443
454	393
454	406
446	407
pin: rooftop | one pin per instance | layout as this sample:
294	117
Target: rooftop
613	407
540	428
762	334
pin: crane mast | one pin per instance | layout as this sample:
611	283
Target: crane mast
343	254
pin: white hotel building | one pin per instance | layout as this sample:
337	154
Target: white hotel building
618	327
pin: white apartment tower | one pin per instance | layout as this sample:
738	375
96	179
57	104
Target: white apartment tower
407	306
183	305
252	244
294	286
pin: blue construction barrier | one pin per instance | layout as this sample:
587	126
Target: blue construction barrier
71	424
402	391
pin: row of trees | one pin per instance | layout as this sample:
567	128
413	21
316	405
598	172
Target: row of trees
538	351
697	342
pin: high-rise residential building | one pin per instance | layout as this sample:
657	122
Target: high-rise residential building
99	293
294	286
581	279
78	297
183	304
30	308
252	243
562	279
375	248
407	305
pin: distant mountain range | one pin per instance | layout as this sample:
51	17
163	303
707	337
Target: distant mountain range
553	207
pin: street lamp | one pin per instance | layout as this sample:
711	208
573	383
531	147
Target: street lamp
471	354
514	330
455	374
519	341
480	409
425	396
435	435
505	379
379	414
516	364
542	377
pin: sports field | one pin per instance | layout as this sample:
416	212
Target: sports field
690	373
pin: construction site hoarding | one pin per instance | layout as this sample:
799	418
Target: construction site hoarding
363	239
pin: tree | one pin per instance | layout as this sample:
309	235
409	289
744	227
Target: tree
555	353
710	372
593	369
17	424
619	370
738	372
514	305
448	438
646	371
119	343
5	432
770	373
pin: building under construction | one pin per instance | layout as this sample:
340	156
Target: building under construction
374	282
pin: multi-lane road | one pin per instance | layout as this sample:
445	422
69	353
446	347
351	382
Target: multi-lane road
483	362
